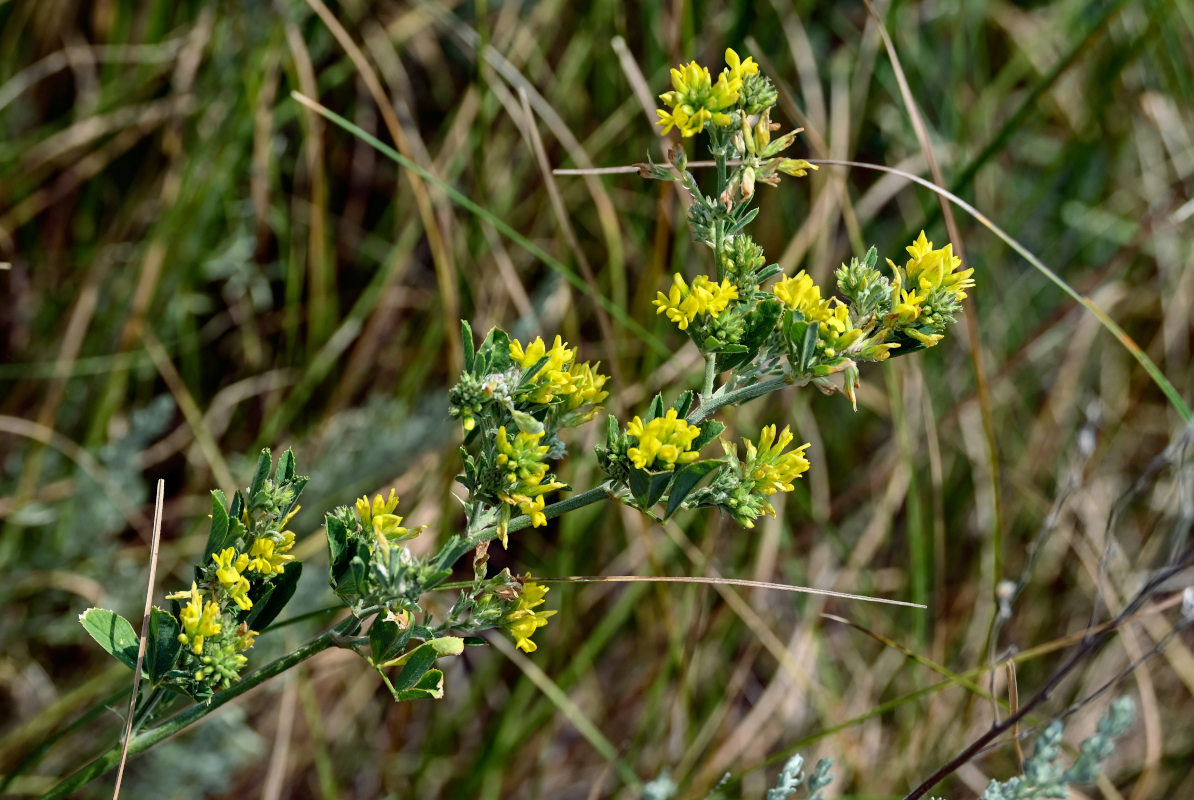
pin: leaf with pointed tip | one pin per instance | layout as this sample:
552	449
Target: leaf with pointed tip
466	339
162	645
264	463
113	632
429	687
686	482
683	403
648	487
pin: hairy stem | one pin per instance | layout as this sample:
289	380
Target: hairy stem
147	739
710	374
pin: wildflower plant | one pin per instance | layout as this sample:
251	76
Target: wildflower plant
517	402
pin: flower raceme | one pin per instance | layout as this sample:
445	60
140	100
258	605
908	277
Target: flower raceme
379	517
523	469
199	620
771	469
663	442
522	621
683	303
799	293
695	100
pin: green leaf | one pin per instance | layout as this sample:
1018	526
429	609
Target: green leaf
435	579
683	404
808	349
656	409
386	640
162	645
217	538
686	481
648	487
710	430
285	471
264	464
272	601
497	350
113	632
420	660
613	433
429	687
466	340
758	325
337	534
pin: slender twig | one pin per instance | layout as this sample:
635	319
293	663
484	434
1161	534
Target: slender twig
153	571
783	587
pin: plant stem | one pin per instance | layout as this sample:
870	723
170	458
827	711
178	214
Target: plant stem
742	395
710	374
147	739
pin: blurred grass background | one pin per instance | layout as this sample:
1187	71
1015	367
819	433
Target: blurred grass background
199	267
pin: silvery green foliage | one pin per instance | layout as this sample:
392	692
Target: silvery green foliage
1044	776
792	775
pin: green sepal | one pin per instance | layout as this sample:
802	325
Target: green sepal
649	487
113	632
466	341
275	597
162	645
683	404
686	482
386	640
429	687
710	430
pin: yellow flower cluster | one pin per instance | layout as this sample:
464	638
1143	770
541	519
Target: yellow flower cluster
695	100
199	619
229	566
683	303
523	470
772	469
663	442
587	386
522	621
799	293
930	275
380	517
561	376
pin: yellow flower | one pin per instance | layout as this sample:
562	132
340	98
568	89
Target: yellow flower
522	621
587	384
199	619
796	167
930	269
267	558
696	101
531	506
837	330
799	293
229	565
772	469
523	471
683	303
663	442
379	516
739	69
554	377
